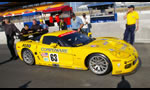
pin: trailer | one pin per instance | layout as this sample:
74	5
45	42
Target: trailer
102	12
62	11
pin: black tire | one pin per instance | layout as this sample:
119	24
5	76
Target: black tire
28	57
99	64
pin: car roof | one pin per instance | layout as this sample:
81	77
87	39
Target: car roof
57	33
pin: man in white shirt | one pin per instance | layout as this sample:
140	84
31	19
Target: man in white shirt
86	22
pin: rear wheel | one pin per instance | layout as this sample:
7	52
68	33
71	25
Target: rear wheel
99	64
28	57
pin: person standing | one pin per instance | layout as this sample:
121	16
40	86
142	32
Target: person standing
76	23
25	31
86	22
51	21
132	24
57	19
36	28
44	27
62	25
10	31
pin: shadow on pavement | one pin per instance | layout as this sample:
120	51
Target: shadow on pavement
6	61
25	85
123	83
9	60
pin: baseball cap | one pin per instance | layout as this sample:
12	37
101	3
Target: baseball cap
84	14
41	20
131	6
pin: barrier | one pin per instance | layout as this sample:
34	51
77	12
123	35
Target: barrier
112	29
116	29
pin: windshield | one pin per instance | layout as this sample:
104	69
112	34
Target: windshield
76	39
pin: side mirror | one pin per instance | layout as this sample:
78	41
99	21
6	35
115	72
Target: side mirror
54	45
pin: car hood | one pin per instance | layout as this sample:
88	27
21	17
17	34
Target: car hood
111	44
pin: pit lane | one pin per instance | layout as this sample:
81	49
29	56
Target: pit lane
16	74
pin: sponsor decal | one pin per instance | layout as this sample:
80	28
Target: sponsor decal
124	47
54	50
53	57
132	16
26	45
67	33
18	50
94	45
105	43
46	59
103	39
44	54
111	49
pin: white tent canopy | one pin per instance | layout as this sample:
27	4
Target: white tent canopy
131	3
83	7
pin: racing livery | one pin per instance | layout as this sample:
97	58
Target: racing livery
73	50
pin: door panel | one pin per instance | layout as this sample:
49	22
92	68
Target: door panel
61	55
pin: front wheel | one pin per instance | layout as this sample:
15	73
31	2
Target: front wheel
28	57
99	64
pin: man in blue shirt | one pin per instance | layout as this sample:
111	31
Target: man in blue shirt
44	27
76	23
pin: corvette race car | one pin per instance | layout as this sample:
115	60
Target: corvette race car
73	50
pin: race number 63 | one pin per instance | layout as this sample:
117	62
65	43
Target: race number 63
53	57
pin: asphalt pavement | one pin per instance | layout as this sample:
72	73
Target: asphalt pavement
16	74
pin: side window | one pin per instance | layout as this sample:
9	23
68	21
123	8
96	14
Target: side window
37	38
50	39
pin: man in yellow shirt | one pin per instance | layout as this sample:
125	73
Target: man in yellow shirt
132	24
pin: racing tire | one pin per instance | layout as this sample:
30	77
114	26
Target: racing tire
28	57
99	64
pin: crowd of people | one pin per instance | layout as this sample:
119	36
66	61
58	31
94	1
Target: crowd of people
78	24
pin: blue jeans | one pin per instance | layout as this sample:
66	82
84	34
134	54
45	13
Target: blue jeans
86	30
129	34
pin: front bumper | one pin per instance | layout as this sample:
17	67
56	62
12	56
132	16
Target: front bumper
133	69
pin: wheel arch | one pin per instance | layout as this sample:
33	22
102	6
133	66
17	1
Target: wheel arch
23	50
30	51
87	58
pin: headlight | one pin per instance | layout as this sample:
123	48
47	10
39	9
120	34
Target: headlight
120	54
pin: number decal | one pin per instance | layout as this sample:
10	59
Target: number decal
53	57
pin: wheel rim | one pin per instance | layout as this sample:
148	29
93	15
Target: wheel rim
27	56
98	64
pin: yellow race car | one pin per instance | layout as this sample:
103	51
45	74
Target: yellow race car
73	50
